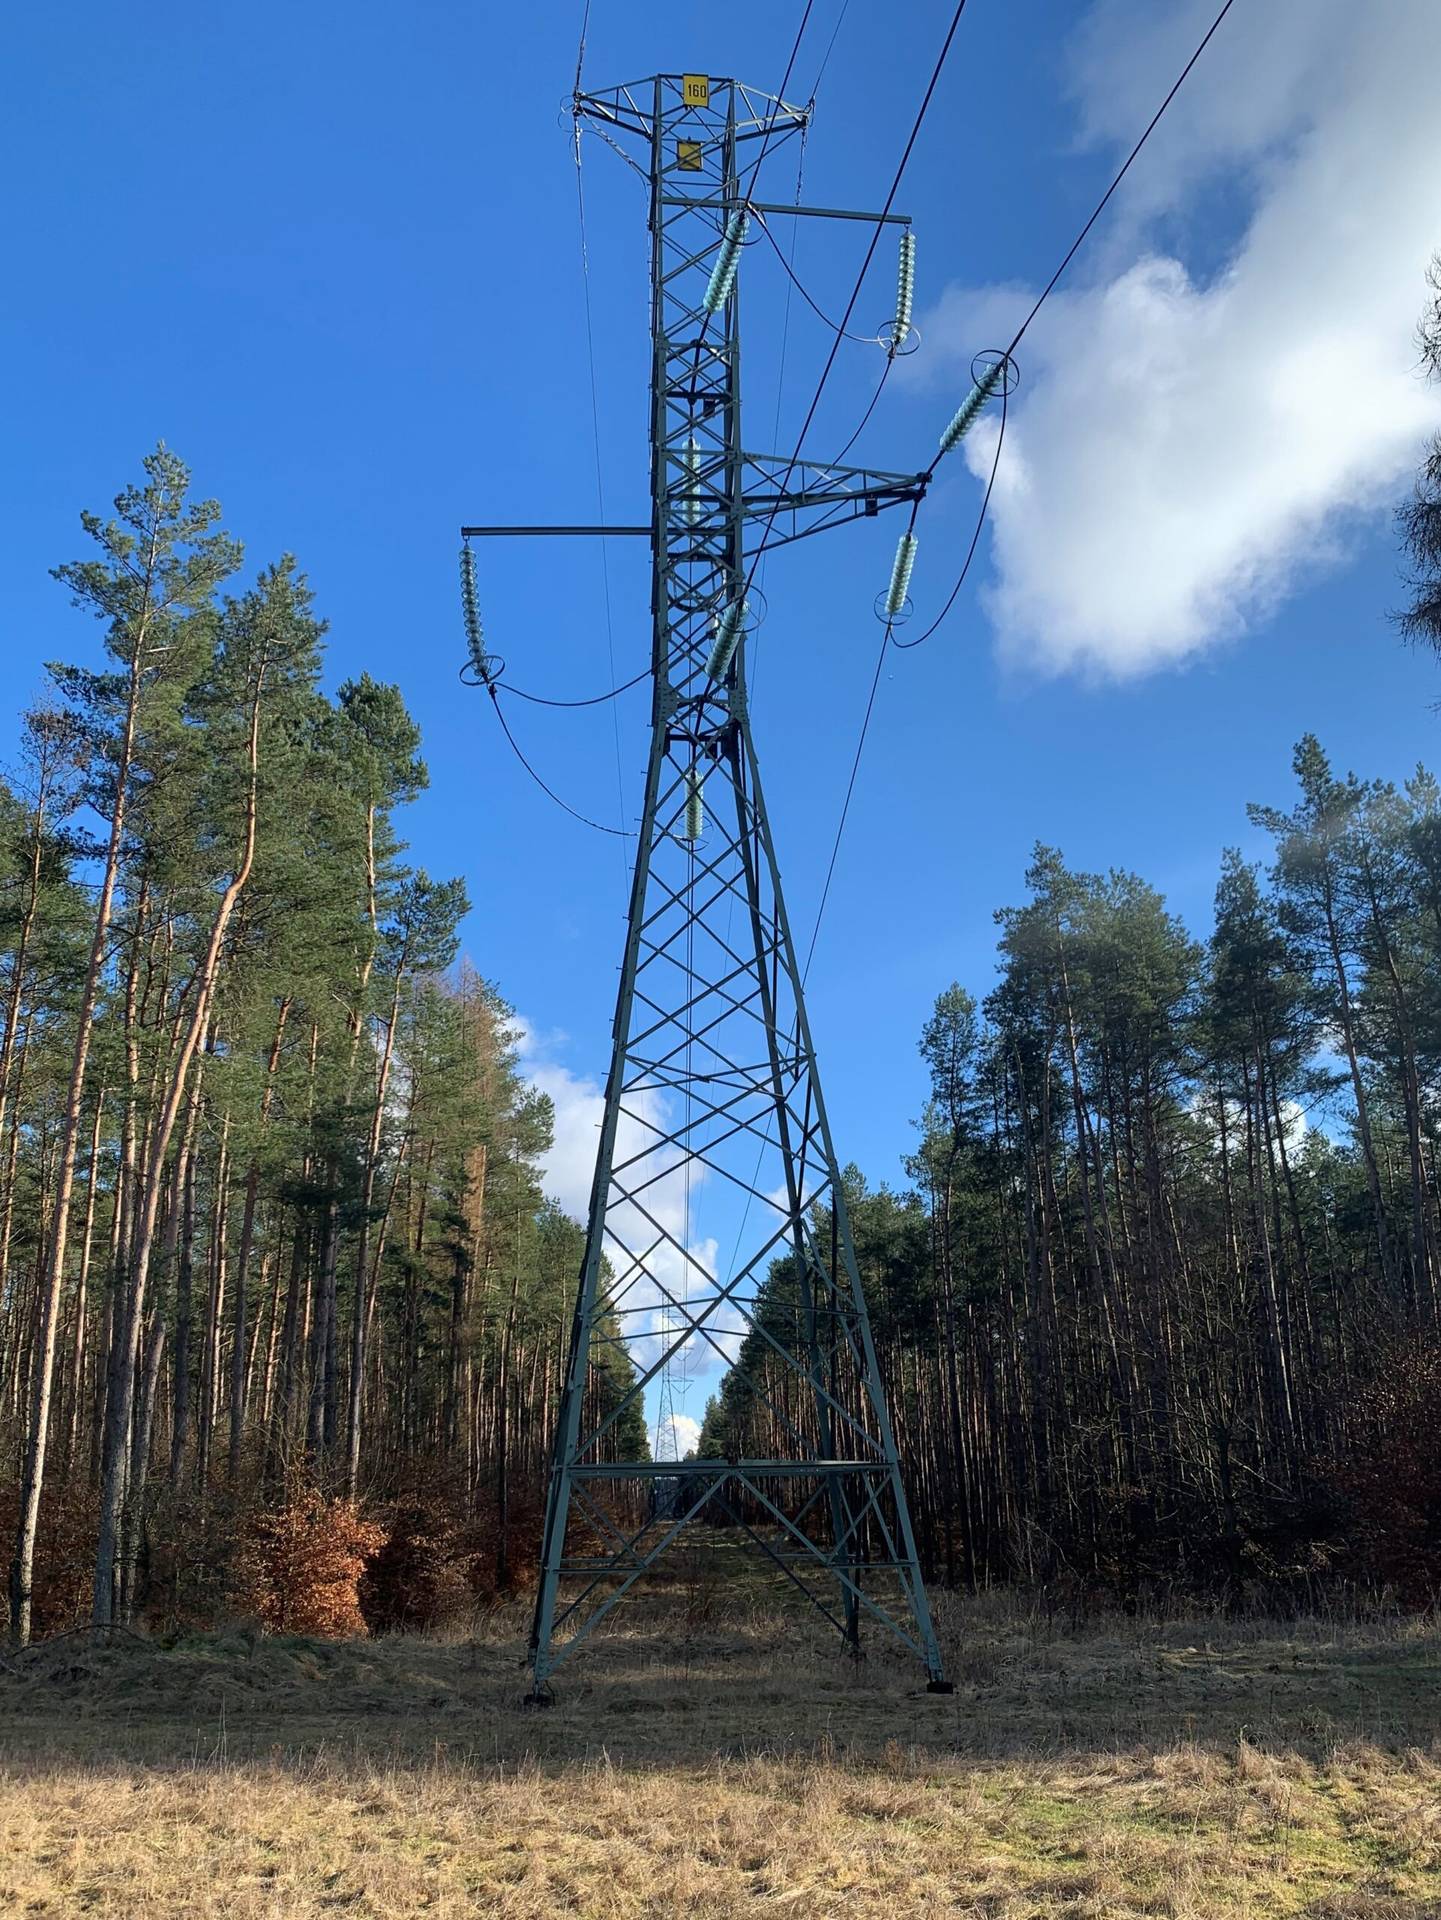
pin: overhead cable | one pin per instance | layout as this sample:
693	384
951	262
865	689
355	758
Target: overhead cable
1075	245
895	187
595	700
621	833
987	385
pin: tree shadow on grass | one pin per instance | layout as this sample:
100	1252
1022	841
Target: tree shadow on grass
671	1687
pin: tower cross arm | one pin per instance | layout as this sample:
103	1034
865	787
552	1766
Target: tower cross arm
633	108
831	213
837	494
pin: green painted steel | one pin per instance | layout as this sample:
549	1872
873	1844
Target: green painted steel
713	1086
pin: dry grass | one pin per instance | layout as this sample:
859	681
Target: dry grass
1188	1769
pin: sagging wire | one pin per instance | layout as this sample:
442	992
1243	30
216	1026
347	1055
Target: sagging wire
888	638
762	544
995	372
484	669
620	833
894	608
859	339
900	328
998	376
599	133
596	700
900	331
825	891
894	189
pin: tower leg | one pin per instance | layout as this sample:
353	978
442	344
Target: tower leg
747	836
712	1059
567	1435
906	1560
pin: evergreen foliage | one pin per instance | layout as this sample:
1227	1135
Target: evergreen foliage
277	1270
272	1234
1165	1304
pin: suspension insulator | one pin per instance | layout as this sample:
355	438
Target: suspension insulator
970	407
727	634
901	574
694	804
723	273
470	610
690	499
905	289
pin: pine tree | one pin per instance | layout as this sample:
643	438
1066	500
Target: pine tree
1419	520
161	560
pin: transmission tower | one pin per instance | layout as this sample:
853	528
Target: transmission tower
713	1087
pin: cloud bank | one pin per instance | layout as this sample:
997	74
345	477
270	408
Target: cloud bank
567	1171
1194	441
675	1436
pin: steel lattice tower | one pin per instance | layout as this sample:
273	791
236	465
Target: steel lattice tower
713	1081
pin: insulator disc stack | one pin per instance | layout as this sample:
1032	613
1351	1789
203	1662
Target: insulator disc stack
723	273
694	804
905	290
968	411
901	574
470	612
727	634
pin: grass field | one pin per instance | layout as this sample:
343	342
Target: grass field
710	1760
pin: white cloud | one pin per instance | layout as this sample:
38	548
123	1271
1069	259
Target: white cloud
1203	1104
1188	445
645	1272
568	1168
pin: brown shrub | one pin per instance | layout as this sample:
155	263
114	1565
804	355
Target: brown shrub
421	1576
62	1585
300	1566
517	1568
1391	1479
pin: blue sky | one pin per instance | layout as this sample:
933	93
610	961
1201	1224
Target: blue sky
331	256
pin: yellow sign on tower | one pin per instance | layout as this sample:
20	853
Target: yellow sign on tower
695	89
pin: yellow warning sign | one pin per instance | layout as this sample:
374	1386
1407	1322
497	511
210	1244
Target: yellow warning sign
687	155
695	89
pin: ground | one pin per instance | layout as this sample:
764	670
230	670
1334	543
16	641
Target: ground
715	1757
